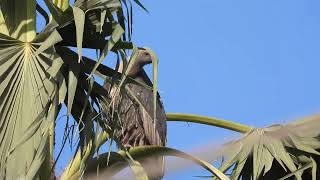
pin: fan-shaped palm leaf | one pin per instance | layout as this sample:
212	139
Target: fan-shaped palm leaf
275	152
28	92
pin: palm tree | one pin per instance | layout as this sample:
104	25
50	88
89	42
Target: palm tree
40	73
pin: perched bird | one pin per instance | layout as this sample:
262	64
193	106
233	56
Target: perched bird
137	124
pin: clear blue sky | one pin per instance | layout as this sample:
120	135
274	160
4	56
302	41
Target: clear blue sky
253	62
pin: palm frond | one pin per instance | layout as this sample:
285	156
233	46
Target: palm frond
275	151
117	160
28	91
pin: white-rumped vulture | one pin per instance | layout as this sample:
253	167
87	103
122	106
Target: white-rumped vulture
137	123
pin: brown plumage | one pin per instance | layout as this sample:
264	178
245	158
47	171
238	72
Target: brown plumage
137	123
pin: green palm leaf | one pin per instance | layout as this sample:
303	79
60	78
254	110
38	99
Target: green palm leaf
118	161
278	151
28	102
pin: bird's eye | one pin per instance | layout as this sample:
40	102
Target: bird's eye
146	53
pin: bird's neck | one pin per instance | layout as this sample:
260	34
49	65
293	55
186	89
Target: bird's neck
138	73
135	70
138	76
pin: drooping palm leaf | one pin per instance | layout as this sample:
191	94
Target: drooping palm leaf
118	162
276	151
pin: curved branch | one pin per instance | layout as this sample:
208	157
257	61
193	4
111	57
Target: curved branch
208	121
117	161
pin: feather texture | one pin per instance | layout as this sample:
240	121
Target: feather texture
137	126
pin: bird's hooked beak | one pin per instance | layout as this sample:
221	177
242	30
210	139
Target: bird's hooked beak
146	55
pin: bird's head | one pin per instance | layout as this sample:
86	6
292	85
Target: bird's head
145	56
